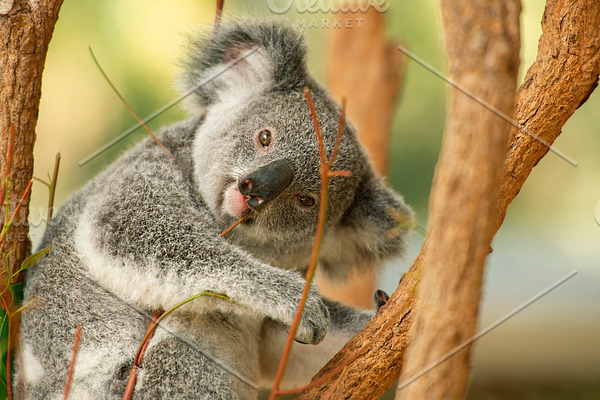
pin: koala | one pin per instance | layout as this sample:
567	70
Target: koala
145	234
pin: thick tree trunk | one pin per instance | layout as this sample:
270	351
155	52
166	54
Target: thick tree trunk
562	78
366	69
482	42
25	30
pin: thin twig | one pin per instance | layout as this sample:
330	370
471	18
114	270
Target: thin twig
72	364
218	14
53	187
43	182
114	88
337	382
6	227
322	379
150	332
137	362
236	223
325	175
313	114
170	310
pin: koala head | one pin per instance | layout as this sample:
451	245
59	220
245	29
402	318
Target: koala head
257	149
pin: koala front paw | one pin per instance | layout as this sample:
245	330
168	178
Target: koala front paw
314	322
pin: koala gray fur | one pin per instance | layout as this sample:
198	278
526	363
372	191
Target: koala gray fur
145	234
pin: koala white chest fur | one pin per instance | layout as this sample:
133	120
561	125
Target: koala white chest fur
145	234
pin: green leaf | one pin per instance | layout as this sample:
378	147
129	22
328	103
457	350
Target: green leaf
32	259
17	290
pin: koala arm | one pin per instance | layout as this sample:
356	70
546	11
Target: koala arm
305	361
144	237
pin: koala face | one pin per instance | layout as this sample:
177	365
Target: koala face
257	150
267	160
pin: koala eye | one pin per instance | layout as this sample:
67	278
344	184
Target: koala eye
264	138
306	201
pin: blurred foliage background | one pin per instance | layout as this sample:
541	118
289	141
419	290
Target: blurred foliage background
550	350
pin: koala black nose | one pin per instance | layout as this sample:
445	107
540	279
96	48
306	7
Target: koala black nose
266	183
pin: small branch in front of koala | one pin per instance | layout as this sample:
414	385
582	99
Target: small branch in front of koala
137	362
9	223
336	384
313	114
338	138
310	273
157	317
322	379
26	264
114	88
420	228
51	184
345	174
218	15
236	223
72	363
150	332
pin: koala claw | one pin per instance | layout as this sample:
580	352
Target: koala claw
380	298
314	322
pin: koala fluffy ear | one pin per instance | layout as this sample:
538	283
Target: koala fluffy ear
242	60
372	230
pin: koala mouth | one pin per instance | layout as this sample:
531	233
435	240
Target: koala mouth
240	206
235	203
254	191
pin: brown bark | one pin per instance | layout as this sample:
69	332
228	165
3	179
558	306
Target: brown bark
562	78
366	69
482	42
25	30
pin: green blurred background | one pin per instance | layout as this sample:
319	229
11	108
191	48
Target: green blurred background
551	350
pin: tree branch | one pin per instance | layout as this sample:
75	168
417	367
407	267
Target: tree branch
25	30
560	80
482	41
569	45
